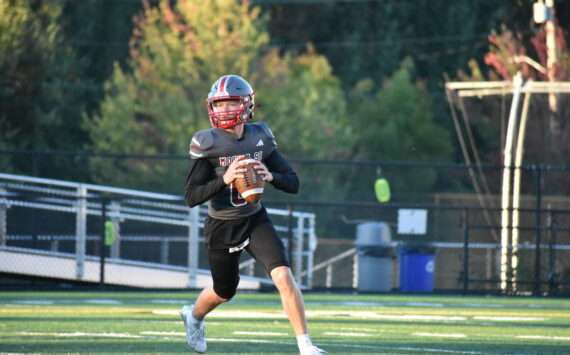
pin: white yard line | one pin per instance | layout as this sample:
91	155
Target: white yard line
81	334
443	335
502	318
350	334
353	314
103	301
183	334
260	333
362	329
542	337
179	335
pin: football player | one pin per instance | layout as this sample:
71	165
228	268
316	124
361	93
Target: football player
233	224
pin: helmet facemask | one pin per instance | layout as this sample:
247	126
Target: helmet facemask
222	118
230	87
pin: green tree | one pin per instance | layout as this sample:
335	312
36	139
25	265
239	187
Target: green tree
39	102
304	104
157	103
397	124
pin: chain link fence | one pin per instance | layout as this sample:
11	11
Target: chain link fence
464	219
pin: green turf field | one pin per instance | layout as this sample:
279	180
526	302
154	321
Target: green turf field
253	323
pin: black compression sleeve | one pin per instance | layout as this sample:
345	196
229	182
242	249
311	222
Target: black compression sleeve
202	183
284	177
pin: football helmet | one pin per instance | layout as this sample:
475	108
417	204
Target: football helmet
231	87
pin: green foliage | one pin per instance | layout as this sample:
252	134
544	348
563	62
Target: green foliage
304	104
397	124
158	103
39	103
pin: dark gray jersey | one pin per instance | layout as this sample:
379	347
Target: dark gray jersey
221	148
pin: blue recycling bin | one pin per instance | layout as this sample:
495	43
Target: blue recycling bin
417	266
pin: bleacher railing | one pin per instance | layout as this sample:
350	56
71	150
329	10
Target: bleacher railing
24	200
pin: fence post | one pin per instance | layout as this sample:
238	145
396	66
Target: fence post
299	254
193	243
538	230
102	244
80	230
290	243
465	223
355	263
552	258
312	246
3	217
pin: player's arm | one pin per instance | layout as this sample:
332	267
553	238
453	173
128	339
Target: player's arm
283	176
202	183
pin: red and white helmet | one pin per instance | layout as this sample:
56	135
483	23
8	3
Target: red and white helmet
231	87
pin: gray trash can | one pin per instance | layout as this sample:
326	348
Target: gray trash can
375	253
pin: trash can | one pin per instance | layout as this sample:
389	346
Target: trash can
375	253
417	264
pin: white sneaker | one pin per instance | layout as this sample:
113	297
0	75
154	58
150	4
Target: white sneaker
194	333
312	350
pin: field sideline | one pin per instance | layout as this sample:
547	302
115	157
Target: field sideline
140	322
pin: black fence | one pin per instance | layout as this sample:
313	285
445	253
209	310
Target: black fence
465	215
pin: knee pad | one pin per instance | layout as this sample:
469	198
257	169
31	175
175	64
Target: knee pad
226	290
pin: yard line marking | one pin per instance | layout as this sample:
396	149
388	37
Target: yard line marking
349	334
510	318
261	341
230	314
164	333
350	346
362	329
424	304
167	301
260	333
33	302
81	334
443	335
352	314
542	337
103	301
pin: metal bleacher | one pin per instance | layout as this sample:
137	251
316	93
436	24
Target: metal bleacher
55	229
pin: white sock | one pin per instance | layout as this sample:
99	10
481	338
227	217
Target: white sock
193	320
303	341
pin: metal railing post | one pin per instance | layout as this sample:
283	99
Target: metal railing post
312	247
102	247
299	242
355	271
80	230
193	244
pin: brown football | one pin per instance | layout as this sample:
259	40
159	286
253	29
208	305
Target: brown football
251	185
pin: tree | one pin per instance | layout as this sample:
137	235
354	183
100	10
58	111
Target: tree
157	103
40	102
397	124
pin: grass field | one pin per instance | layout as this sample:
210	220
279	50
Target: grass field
253	323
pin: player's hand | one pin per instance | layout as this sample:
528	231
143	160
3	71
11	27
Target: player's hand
264	172
235	170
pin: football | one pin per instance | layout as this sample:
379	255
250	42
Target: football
251	185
